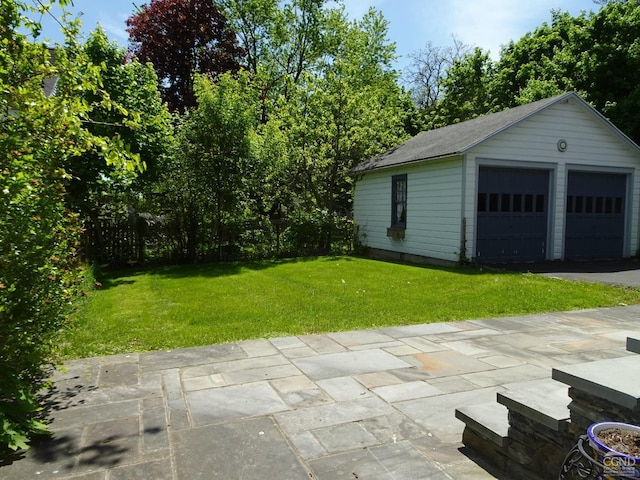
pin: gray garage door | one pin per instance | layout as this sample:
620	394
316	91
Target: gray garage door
512	215
595	216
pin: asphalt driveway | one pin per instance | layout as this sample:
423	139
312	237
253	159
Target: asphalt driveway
624	272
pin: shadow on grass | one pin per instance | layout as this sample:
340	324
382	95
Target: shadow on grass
599	266
127	276
118	277
462	269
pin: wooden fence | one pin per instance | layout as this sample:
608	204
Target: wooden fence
113	242
142	238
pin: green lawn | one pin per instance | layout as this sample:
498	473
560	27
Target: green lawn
172	307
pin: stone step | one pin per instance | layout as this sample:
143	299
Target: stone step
633	344
615	380
488	420
542	401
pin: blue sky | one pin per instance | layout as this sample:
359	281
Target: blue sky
487	24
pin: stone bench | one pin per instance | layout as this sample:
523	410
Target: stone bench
486	431
524	432
603	390
543	402
531	427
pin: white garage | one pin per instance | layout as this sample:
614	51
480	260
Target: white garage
551	180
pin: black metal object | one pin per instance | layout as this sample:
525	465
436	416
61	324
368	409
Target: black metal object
580	463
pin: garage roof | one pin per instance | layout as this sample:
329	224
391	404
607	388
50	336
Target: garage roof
458	138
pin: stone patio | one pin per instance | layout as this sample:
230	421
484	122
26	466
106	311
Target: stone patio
374	404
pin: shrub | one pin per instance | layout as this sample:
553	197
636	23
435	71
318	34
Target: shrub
318	232
39	272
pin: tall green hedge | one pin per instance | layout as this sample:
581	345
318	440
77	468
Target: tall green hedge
39	271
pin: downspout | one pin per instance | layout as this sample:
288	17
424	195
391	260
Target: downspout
462	257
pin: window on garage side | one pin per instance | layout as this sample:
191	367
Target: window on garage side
399	201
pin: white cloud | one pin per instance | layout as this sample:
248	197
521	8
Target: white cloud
488	24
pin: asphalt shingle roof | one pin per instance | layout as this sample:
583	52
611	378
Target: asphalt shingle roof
455	139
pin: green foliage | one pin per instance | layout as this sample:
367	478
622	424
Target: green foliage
551	59
17	418
350	110
204	179
614	70
126	107
596	53
318	232
269	188
466	90
319	96
283	40
39	271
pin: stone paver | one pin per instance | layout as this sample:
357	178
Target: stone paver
613	379
239	401
348	363
374	404
545	401
253	448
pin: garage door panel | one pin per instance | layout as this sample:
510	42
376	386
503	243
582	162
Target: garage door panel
511	215
595	215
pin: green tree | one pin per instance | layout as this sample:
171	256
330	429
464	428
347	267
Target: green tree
282	41
204	180
135	114
552	59
39	271
328	98
594	53
612	82
467	90
350	110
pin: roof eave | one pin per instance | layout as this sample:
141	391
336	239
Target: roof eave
467	148
354	170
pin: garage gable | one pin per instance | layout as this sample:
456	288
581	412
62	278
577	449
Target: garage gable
566	132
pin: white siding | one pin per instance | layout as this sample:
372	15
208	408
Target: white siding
434	200
535	140
533	143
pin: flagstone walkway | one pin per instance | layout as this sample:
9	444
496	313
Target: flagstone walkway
374	404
